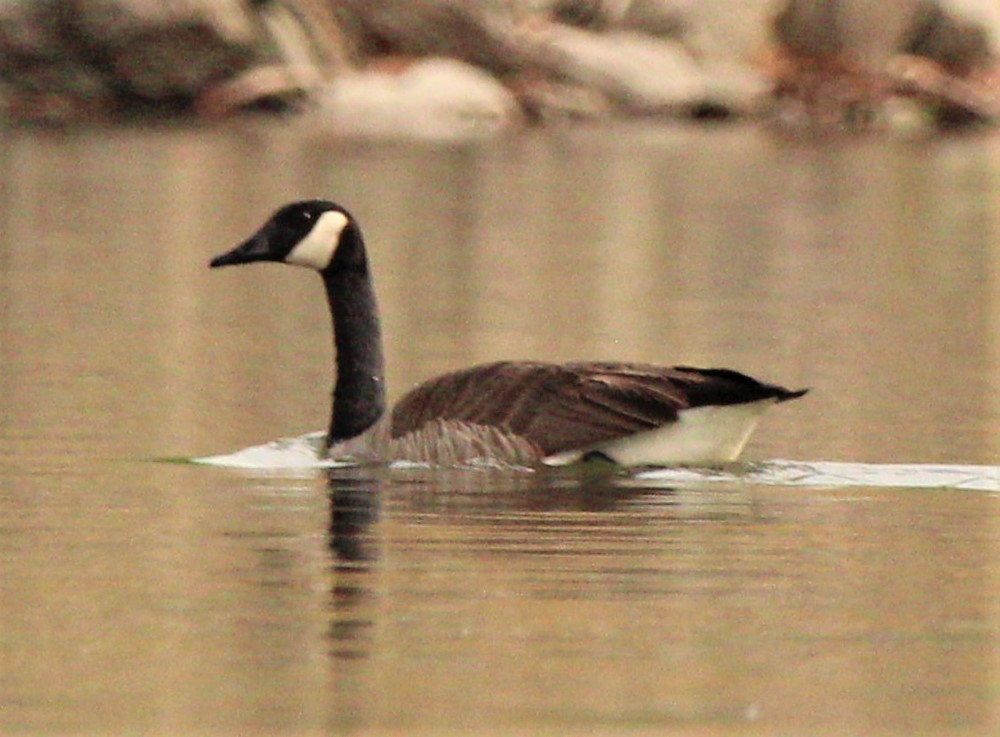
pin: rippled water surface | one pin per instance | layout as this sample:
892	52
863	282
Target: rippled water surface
141	596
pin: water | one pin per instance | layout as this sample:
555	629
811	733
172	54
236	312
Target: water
145	596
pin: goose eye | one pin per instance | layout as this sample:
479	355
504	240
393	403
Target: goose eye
298	218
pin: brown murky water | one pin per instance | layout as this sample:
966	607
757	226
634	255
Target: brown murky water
142	597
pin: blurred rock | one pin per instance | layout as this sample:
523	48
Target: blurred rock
962	38
869	32
546	100
458	29
432	98
42	76
732	87
641	75
661	18
562	59
841	61
637	73
952	101
66	59
960	44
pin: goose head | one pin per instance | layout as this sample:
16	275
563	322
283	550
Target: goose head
316	234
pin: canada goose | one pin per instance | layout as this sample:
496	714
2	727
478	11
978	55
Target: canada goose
516	412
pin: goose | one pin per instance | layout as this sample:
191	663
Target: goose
508	412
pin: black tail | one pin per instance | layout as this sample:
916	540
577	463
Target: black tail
724	386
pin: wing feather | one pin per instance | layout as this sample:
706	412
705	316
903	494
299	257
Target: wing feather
565	407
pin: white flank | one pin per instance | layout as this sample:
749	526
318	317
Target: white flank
316	250
713	434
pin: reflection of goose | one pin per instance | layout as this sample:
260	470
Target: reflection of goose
513	412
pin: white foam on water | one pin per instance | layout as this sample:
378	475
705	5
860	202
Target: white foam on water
302	453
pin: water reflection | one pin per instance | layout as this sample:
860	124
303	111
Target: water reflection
594	487
610	600
163	598
354	509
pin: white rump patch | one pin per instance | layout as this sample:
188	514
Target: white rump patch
315	251
712	434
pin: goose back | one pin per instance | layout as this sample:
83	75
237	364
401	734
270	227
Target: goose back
544	409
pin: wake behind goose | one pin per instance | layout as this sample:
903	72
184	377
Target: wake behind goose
834	474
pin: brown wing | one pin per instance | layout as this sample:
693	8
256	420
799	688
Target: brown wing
571	406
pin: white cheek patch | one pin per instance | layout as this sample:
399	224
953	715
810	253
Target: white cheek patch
316	250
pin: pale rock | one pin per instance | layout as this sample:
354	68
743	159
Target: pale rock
433	98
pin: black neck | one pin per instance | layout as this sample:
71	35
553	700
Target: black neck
359	391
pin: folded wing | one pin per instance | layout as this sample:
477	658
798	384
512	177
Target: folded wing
563	407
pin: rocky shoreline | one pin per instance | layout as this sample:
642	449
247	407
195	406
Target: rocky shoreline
442	68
